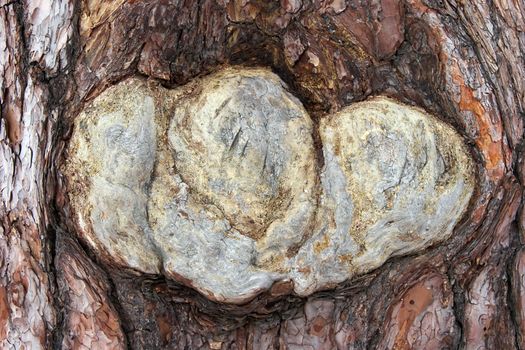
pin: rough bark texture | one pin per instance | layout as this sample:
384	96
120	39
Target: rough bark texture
461	60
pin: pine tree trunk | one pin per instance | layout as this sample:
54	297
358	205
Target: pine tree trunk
462	60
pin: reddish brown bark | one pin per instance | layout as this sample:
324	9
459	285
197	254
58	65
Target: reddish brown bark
462	60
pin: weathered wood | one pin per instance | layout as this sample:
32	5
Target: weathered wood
463	61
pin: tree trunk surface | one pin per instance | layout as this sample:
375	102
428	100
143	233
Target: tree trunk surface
462	60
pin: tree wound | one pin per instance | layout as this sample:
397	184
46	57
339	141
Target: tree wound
214	183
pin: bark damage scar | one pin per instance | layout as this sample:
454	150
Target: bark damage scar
11	116
489	138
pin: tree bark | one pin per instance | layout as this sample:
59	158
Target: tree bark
464	61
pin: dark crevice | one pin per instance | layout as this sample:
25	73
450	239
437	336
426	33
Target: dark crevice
458	305
10	3
124	320
511	275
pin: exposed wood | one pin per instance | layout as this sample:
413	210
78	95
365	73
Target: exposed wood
464	61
